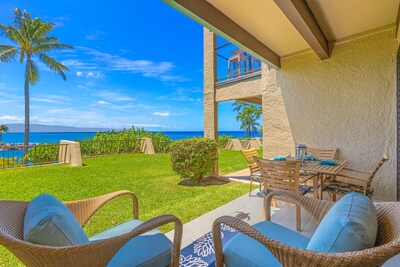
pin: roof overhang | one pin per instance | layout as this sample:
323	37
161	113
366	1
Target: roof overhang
272	29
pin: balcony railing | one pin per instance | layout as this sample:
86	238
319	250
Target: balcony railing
12	156
240	76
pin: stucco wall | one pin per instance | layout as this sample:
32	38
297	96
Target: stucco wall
347	101
277	135
241	89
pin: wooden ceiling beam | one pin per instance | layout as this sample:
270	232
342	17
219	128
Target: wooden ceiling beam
254	100
210	17
398	25
300	15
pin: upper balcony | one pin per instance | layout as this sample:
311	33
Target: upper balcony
234	64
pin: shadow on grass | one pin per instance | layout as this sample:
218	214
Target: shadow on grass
209	181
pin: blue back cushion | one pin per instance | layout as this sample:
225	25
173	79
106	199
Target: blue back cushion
350	225
49	222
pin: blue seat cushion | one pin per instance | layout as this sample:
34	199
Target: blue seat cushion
242	250
350	225
149	249
49	222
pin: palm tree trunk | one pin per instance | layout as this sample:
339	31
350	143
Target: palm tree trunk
27	123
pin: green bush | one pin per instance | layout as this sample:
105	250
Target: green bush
42	154
223	140
193	158
125	141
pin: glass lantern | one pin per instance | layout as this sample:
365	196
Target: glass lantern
300	151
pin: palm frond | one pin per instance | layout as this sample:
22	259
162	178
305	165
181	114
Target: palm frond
42	29
33	72
7	53
54	65
50	47
13	34
48	40
18	19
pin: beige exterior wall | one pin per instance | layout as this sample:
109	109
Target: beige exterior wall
277	135
241	89
347	101
210	105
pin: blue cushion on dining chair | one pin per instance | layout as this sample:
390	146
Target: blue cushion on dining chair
350	225
242	250
147	250
49	222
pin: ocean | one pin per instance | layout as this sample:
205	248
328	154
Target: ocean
17	138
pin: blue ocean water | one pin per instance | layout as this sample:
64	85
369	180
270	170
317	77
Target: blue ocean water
56	137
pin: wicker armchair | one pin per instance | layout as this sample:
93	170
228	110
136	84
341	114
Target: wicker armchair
387	243
93	254
255	174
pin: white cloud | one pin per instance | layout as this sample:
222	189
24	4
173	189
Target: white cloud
59	21
162	114
173	78
78	64
101	102
182	94
79	73
113	96
11	118
92	74
95	35
145	67
55	99
45	100
102	62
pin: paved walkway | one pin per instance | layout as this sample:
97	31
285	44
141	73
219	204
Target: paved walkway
249	209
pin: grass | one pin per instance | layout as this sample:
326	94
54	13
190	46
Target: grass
150	177
231	161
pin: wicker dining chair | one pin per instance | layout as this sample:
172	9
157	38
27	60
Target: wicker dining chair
255	174
351	180
97	253
282	175
386	246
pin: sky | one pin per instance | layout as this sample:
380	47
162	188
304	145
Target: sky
133	63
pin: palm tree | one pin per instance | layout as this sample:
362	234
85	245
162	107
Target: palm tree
248	114
3	129
30	39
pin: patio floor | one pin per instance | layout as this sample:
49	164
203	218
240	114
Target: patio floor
249	209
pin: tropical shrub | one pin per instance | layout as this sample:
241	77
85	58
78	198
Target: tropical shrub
223	140
125	141
41	154
193	158
7	162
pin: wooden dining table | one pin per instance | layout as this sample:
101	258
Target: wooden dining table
321	172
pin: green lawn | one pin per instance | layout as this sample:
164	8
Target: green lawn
150	177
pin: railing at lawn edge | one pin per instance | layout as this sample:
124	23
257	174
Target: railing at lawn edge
12	156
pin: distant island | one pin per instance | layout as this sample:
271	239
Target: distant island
42	128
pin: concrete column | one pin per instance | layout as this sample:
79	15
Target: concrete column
210	77
146	146
72	154
277	135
